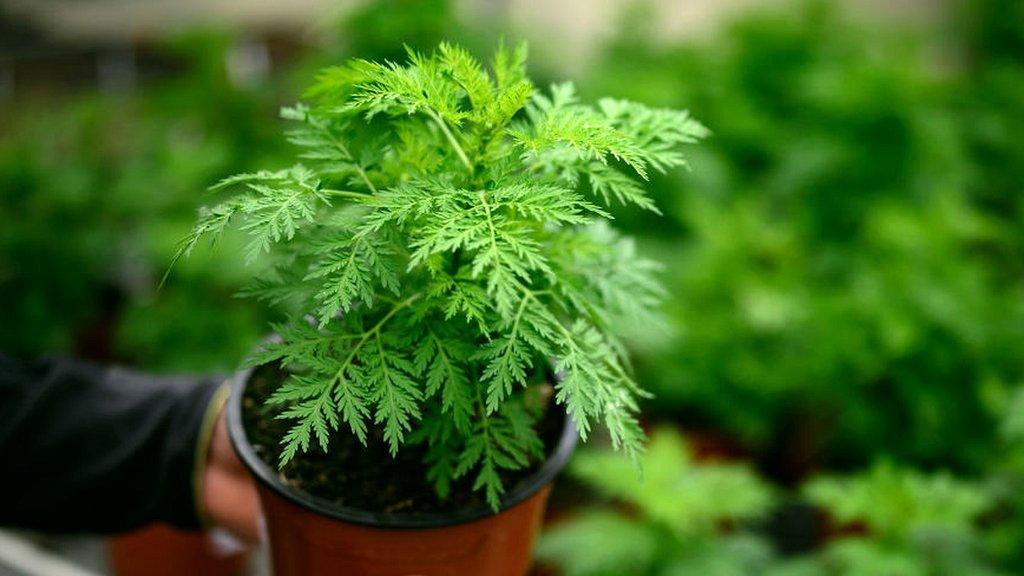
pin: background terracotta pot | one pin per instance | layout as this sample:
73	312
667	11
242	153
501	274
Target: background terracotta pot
159	550
310	536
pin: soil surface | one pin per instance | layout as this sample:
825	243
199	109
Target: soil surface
365	477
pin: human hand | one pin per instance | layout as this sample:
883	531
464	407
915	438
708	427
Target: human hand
229	492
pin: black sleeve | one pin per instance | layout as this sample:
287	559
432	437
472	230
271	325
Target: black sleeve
86	448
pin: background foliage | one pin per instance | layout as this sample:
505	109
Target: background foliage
95	190
845	261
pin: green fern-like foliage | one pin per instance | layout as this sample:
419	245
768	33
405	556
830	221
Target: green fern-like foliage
686	517
446	227
895	502
914	524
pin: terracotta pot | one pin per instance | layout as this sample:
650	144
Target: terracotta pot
311	536
160	550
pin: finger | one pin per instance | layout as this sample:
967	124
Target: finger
231	502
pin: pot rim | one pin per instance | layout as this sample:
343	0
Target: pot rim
270	478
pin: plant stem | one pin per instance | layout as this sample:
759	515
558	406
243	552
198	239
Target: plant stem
340	375
359	169
490	220
346	193
451	138
366	179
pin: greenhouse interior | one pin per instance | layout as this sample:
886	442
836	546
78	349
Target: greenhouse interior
511	287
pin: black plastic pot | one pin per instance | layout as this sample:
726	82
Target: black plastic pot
312	536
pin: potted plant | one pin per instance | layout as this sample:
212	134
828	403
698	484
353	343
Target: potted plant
456	301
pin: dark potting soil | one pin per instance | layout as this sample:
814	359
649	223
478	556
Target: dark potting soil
365	477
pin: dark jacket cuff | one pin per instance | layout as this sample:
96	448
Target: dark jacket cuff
97	449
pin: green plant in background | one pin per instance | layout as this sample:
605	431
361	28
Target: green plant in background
1005	482
688	517
894	504
194	128
991	99
377	30
683	517
443	215
94	193
898	522
851	234
41	305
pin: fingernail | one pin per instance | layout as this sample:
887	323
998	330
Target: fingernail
224	543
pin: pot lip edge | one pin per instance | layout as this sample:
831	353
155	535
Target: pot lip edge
268	477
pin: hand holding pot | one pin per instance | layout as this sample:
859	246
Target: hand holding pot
229	493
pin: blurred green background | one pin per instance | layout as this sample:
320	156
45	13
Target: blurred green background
840	385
